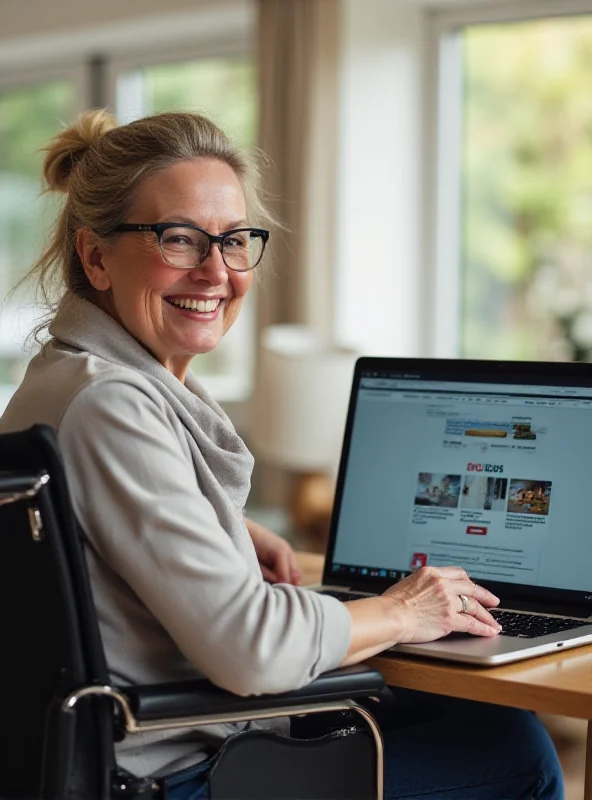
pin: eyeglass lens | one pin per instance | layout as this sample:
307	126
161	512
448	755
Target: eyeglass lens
186	247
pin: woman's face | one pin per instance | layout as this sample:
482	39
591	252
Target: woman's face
143	292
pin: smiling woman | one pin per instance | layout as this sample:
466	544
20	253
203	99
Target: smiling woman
154	252
176	310
148	266
170	168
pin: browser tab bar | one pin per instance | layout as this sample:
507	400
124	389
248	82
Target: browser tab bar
475	388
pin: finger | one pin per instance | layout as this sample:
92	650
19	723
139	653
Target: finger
268	574
281	566
467	624
482	595
295	574
476	610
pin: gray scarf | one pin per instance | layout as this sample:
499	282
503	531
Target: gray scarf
222	461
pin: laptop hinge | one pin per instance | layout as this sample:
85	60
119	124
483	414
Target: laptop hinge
562	610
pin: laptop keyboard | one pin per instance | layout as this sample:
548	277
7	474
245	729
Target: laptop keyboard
522	626
531	626
343	596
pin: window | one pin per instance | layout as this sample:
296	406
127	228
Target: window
526	207
31	112
29	116
223	89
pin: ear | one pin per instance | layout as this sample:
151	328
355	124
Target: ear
90	252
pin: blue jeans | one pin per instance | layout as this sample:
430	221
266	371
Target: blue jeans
439	747
189	784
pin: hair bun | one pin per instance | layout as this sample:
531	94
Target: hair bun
67	148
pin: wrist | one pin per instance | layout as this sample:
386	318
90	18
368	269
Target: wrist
377	624
396	616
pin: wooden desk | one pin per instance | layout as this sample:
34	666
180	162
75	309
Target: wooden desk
560	683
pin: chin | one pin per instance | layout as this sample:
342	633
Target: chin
202	347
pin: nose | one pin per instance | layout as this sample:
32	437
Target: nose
212	268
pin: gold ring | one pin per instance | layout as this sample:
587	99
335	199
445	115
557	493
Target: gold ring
465	603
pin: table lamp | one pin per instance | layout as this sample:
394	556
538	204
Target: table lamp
298	415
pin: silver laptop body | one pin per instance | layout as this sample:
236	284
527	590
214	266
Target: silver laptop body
487	465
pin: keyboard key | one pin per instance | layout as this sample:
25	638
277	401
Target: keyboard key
532	626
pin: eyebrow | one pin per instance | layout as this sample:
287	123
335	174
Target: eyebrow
241	223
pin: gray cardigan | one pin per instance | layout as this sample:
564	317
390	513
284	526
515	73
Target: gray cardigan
159	478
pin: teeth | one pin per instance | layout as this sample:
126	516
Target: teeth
196	305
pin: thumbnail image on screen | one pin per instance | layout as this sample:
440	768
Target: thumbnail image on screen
529	497
481	493
437	490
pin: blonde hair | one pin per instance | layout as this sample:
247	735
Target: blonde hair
99	165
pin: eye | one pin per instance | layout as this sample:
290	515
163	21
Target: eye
237	240
180	237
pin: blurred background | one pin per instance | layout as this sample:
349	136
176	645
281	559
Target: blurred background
431	161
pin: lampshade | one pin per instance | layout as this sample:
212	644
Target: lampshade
300	400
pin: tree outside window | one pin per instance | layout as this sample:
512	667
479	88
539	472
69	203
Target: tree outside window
527	190
29	117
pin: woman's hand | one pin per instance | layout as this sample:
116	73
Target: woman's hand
276	557
432	607
423	607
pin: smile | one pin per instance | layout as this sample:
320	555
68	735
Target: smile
203	306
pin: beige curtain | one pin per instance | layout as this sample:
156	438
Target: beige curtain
298	61
298	68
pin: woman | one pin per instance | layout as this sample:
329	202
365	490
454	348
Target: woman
155	248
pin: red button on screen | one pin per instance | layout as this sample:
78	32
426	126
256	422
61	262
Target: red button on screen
419	560
477	530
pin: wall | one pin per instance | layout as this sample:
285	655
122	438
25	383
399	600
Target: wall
35	17
379	235
38	31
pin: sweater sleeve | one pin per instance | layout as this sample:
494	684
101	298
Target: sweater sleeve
138	499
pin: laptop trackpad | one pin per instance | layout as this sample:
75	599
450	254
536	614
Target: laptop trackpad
473	649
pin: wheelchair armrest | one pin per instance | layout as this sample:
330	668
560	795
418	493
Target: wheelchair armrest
195	697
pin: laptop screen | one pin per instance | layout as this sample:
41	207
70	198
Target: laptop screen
479	464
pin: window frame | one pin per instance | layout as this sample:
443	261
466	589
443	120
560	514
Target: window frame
240	43
444	152
225	387
73	72
225	32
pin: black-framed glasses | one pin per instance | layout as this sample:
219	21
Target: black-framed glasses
187	246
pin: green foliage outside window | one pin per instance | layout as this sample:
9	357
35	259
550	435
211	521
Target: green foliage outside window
221	88
527	190
29	117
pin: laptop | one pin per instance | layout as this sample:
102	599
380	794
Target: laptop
482	464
